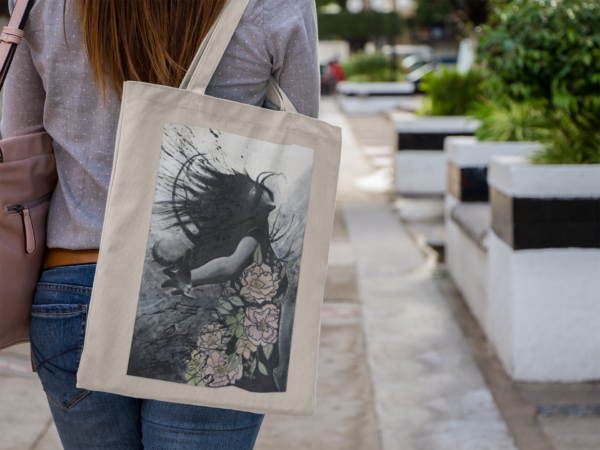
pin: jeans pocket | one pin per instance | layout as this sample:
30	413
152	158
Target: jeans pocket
57	332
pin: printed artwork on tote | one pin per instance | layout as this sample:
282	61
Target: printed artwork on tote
218	292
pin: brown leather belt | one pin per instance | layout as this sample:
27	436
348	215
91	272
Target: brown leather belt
62	257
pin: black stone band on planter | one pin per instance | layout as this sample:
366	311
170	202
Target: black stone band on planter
378	94
425	141
468	184
535	223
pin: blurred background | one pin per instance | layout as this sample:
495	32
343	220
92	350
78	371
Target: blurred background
462	304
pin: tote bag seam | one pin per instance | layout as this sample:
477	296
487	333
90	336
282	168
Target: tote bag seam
237	120
171	89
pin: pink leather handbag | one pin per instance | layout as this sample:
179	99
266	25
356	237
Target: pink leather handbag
27	179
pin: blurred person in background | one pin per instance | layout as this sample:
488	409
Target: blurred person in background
332	74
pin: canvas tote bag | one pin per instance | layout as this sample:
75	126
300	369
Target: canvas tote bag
213	257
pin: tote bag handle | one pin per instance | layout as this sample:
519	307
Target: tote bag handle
11	36
212	49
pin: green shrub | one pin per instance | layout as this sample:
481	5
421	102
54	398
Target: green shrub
364	25
364	67
547	53
562	140
510	121
567	144
449	93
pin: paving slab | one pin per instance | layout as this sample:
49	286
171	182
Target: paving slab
573	433
429	394
561	393
518	414
50	440
381	245
24	412
353	164
341	284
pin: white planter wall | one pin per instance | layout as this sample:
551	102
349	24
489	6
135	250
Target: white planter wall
421	172
512	176
467	261
543	315
359	106
467	151
375	88
424	171
468	265
372	98
433	124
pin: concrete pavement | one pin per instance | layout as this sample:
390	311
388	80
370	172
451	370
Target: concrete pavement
429	394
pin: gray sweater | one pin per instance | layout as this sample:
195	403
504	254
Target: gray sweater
50	86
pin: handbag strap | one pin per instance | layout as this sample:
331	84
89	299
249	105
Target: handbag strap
212	49
12	34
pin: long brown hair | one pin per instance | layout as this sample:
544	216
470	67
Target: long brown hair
143	40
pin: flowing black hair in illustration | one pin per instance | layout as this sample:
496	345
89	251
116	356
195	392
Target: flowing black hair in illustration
207	203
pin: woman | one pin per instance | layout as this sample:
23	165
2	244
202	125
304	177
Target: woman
67	78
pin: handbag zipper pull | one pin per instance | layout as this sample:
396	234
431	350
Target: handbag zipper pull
27	228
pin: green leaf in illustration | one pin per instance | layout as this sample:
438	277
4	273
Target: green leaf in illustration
267	350
233	362
193	375
194	380
289	264
240	314
236	301
230	290
239	331
253	366
195	362
236	286
279	300
262	369
282	273
223	311
214	315
258	258
225	304
230	320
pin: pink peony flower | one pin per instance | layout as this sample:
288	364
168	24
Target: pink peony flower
262	324
214	371
259	283
212	337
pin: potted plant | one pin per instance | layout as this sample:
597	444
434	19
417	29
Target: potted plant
544	244
420	160
368	89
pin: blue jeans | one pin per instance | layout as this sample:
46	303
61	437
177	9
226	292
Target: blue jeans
97	420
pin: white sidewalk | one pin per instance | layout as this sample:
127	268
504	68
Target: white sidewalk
428	391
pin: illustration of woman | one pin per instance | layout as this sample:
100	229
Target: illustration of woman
224	214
